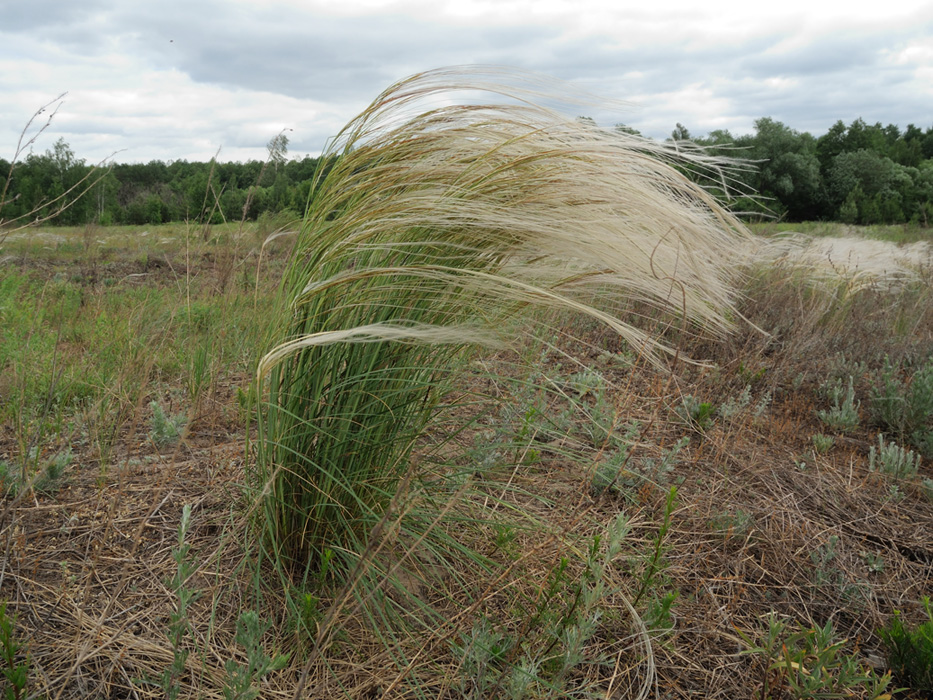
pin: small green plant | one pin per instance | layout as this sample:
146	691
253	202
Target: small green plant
822	558
826	573
504	539
657	471
47	480
608	472
652	578
622	473
904	407
487	452
923	441
874	562
841	367
734	405
895	493
179	626
892	460
56	466
823	443
888	405
527	415
557	626
612	472
623	359
809	662
762	404
246	400
910	651
587	382
240	680
15	662
750	376
308	616
165	429
601	422
483	657
657	613
843	416
920	397
9	478
51	477
199	370
735	523
580	622
697	414
927	487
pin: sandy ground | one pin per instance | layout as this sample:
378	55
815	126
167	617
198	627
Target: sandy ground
853	258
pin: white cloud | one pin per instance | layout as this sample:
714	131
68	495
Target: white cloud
916	56
179	78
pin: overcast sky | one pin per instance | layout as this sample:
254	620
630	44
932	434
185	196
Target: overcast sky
180	79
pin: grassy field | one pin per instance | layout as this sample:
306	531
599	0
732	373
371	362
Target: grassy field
629	527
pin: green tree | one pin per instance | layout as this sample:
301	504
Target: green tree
831	144
153	208
848	212
301	169
870	210
863	167
890	205
922	211
907	151
789	170
278	155
861	136
680	133
626	129
104	198
892	193
279	197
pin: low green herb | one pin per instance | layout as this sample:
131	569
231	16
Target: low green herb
843	415
809	663
910	651
15	664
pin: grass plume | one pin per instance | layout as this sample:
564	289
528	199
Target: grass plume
438	228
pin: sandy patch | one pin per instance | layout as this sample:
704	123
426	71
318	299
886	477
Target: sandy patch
851	258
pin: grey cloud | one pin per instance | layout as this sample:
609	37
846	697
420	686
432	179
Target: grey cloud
338	59
657	68
817	101
811	60
20	16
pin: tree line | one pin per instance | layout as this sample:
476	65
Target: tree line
155	192
856	173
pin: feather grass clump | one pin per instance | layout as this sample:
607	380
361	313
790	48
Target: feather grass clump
438	227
